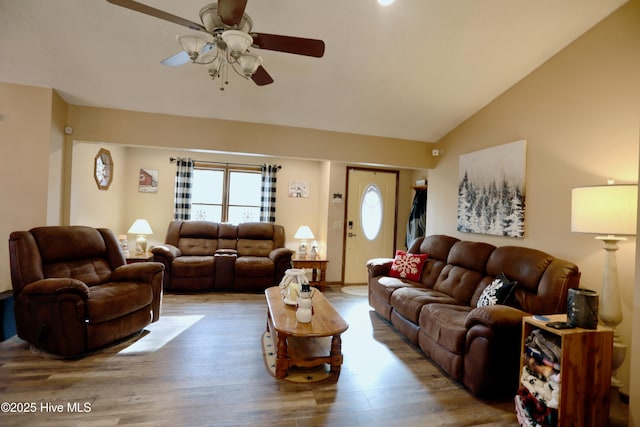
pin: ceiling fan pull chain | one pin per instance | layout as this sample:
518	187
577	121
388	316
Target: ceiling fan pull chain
223	75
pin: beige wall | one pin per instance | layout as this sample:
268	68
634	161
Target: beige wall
25	133
56	183
118	207
580	115
89	205
159	130
58	186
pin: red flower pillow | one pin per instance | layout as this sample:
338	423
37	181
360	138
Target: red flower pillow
408	266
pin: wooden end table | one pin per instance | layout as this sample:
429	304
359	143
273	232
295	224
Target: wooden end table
304	344
315	265
133	257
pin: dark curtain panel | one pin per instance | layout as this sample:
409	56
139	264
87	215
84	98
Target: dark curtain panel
417	217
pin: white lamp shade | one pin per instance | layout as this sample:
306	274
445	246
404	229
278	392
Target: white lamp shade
140	226
237	41
605	209
249	63
192	44
304	232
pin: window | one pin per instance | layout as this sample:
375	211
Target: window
371	211
225	194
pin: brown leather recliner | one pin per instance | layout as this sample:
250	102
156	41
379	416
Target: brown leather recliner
73	292
203	255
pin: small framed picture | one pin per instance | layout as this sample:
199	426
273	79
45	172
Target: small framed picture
148	181
298	189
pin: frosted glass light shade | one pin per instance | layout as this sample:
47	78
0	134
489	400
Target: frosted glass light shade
192	44
237	41
605	209
249	63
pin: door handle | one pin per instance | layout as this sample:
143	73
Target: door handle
350	234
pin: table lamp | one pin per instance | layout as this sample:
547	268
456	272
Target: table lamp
304	233
141	227
609	210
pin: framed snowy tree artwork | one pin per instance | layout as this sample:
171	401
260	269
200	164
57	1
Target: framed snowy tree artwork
491	190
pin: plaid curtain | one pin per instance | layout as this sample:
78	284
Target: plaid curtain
268	193
182	197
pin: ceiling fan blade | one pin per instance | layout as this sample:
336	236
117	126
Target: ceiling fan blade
231	11
157	13
297	45
177	60
261	77
182	57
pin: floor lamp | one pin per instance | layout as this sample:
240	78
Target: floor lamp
611	211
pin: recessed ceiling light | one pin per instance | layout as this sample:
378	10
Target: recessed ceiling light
385	2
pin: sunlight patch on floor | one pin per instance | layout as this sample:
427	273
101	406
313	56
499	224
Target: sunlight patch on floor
158	334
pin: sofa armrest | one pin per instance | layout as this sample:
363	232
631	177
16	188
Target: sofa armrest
145	272
496	317
137	272
379	266
57	286
167	251
279	254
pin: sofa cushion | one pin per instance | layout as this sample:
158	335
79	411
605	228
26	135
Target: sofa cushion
197	246
464	270
500	291
91	271
193	266
254	266
407	265
255	248
408	301
194	237
385	286
444	324
113	300
437	246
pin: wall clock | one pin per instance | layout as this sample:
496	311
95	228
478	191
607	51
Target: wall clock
103	169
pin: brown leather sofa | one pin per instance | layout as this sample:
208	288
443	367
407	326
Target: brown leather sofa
202	255
477	346
73	292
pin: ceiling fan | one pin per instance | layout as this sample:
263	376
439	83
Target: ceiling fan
224	39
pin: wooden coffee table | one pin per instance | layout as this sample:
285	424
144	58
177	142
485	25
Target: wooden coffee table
304	344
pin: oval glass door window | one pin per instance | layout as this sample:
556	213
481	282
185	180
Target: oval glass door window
371	211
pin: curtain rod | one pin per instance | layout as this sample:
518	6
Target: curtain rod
173	159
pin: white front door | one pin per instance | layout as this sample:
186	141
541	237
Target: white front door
370	230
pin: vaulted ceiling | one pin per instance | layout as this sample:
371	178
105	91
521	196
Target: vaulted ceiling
412	70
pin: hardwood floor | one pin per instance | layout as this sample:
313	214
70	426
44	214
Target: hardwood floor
201	364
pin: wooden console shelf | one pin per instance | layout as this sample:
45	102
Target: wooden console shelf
585	370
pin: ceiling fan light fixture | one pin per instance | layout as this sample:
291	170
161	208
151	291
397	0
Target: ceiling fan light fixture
228	36
249	63
208	57
192	44
215	66
237	41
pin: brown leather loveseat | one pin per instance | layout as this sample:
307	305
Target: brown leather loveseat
73	292
202	255
477	346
